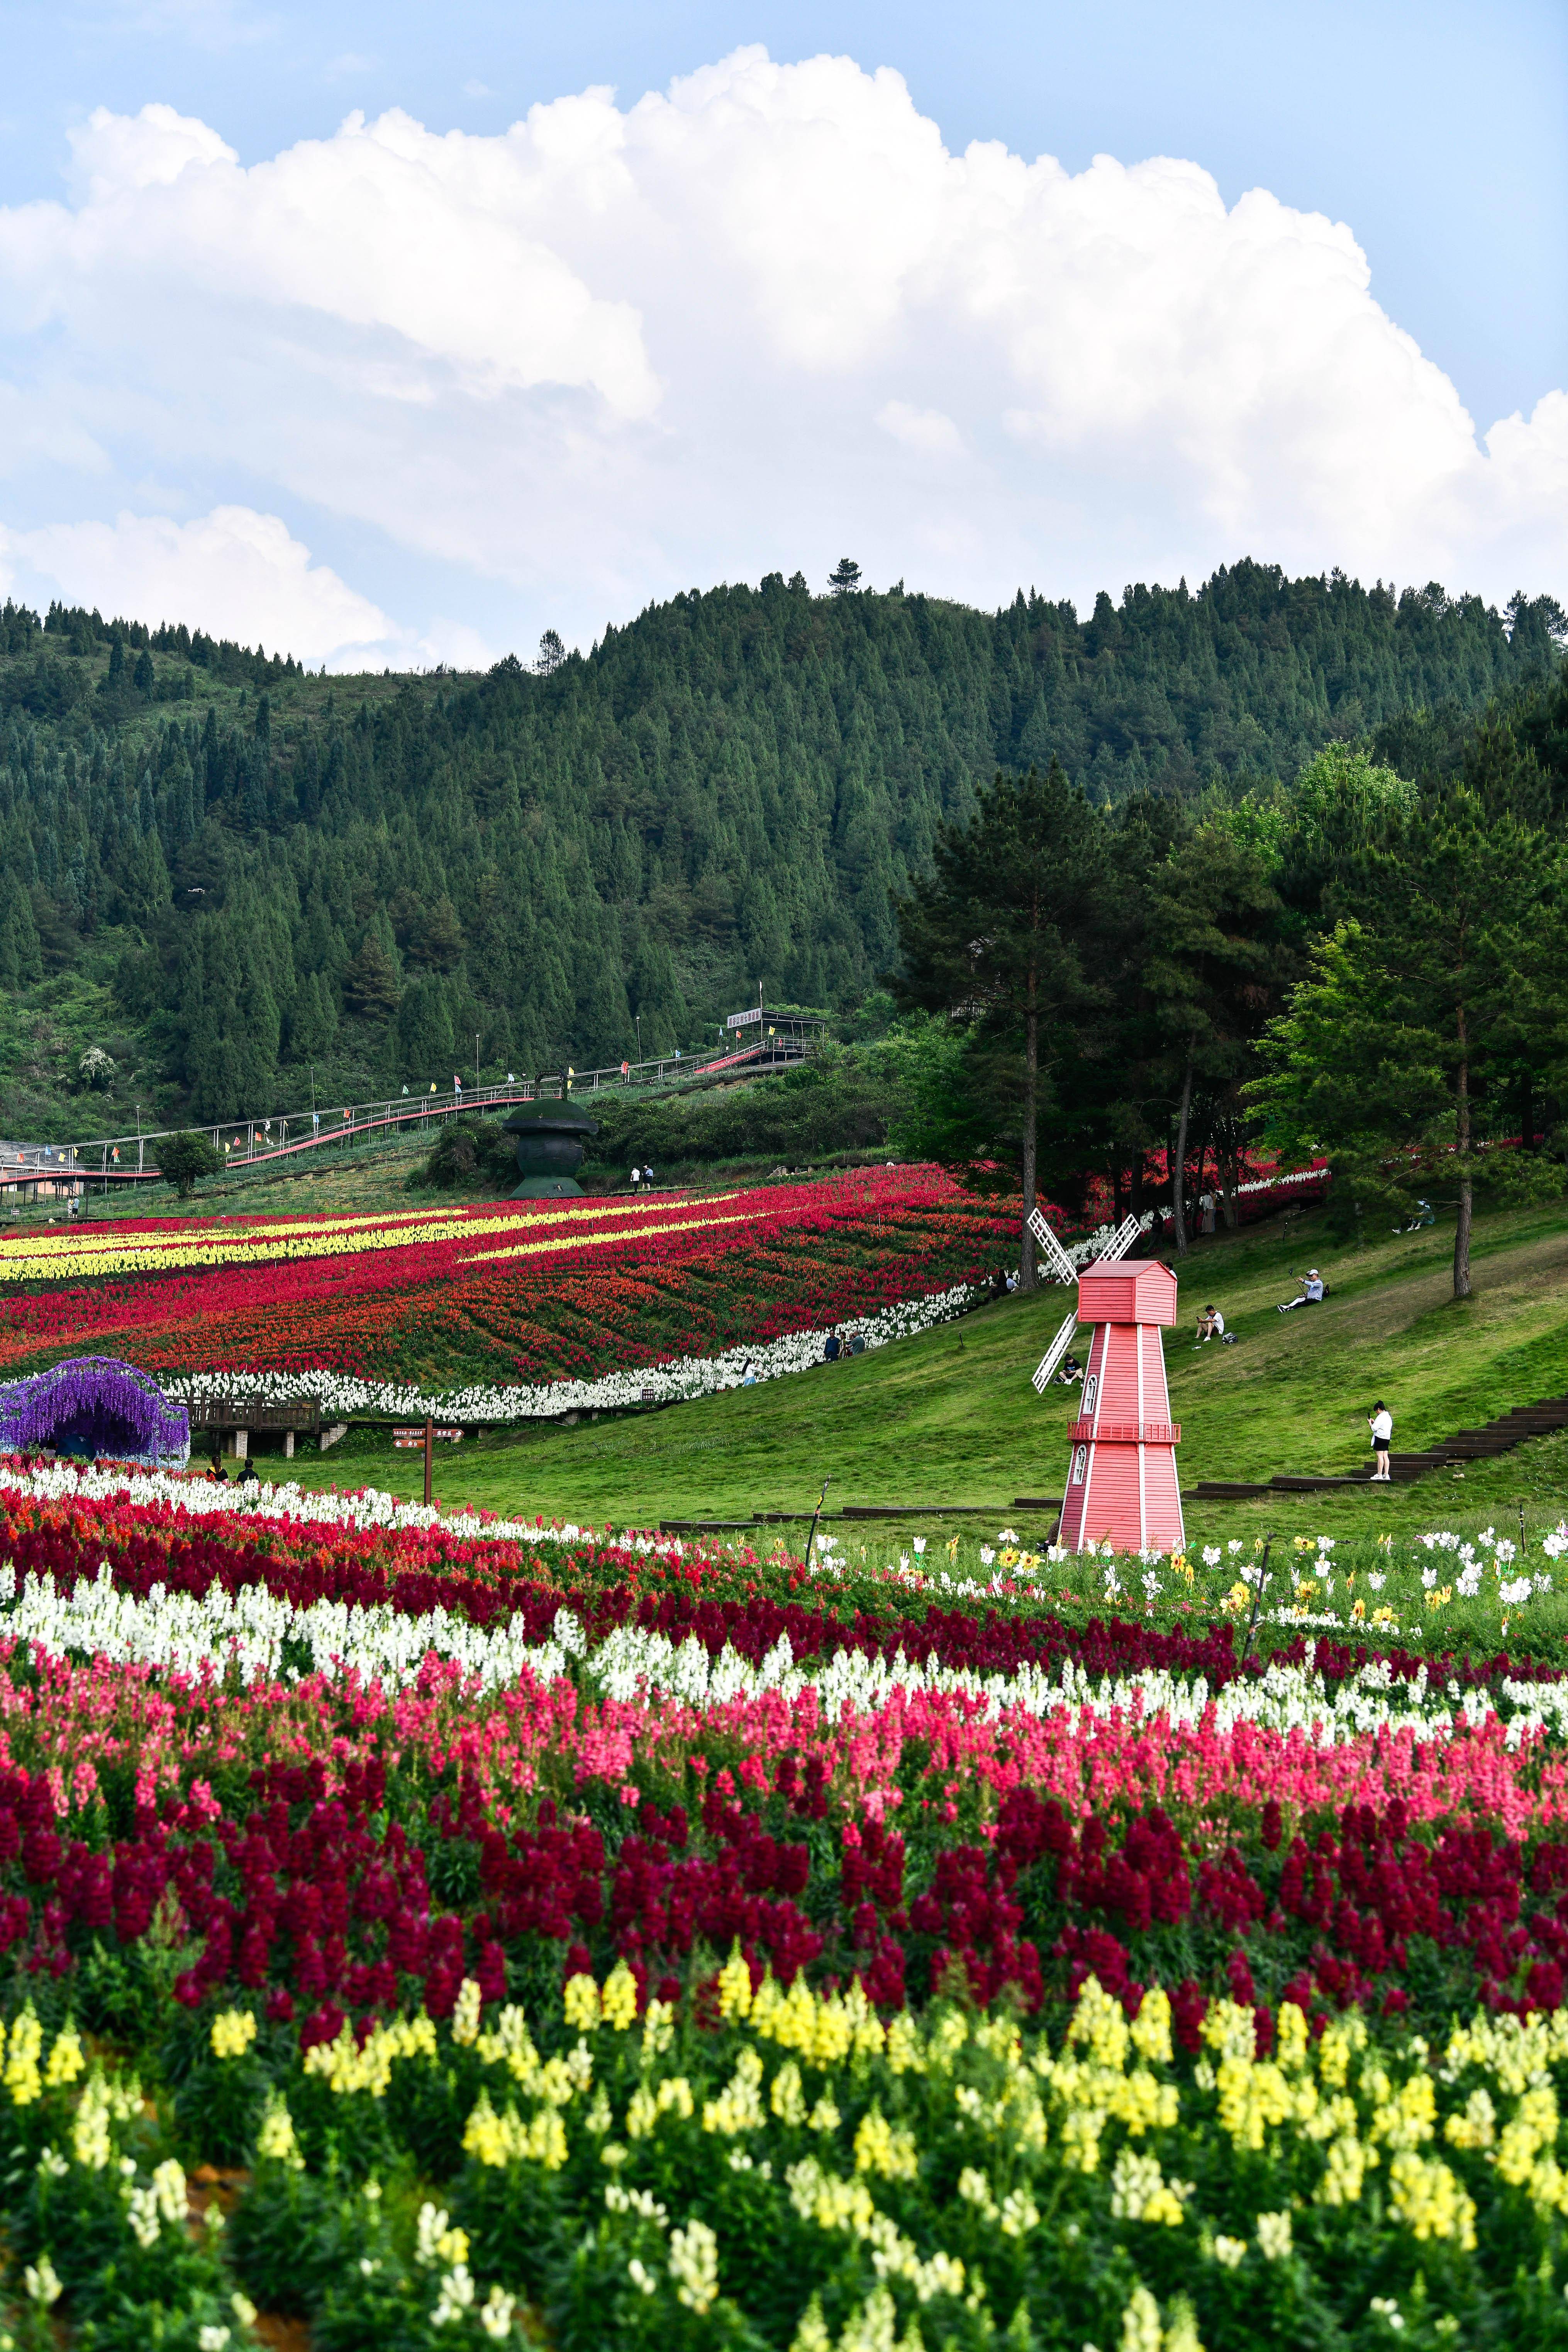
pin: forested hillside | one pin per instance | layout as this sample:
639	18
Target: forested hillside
233	879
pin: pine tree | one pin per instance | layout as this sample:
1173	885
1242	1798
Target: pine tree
370	985
425	1046
1002	937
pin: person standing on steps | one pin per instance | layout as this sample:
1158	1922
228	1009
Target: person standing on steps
1380	1423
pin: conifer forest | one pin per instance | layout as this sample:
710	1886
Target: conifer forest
224	881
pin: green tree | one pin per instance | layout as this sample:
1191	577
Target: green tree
1211	963
436	937
313	1023
1387	1056
370	985
425	1045
1000	937
145	891
184	1160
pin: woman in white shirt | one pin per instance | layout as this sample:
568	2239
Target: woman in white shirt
1380	1423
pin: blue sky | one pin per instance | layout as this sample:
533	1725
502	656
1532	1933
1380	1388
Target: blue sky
1068	381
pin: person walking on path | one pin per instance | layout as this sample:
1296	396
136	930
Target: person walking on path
1380	1423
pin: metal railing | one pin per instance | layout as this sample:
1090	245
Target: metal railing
252	1143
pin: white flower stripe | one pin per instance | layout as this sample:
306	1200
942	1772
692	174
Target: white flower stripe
340	1394
262	1636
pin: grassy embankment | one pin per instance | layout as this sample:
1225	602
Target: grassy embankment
952	1417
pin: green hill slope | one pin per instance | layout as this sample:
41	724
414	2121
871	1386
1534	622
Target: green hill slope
952	1417
241	881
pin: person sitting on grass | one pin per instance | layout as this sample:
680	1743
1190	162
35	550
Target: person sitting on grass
1310	1293
1211	1325
1071	1371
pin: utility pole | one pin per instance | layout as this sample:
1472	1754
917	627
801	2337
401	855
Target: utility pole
637	1019
476	1061
429	1449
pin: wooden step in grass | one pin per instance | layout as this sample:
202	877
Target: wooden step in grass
1487	1443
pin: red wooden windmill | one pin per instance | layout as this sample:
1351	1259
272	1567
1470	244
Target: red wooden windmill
1121	1476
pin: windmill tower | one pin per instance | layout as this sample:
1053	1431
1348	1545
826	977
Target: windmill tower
1121	1474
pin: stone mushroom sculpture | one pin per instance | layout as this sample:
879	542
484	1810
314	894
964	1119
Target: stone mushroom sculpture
550	1141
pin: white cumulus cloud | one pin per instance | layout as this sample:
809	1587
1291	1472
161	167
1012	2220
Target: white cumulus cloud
237	573
619	350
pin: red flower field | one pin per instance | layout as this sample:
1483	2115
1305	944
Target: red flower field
514	1292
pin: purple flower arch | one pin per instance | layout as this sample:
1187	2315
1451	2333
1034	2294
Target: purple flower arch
94	1406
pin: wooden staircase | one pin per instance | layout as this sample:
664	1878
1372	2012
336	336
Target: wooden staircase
1498	1436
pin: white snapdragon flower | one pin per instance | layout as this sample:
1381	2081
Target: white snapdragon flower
340	1394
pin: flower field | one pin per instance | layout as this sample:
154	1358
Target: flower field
516	1296
438	1931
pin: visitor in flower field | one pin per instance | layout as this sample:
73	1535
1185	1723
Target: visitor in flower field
636	1178
1310	1295
1380	1423
832	1348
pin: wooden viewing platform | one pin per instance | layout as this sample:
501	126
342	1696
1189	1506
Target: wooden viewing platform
239	1412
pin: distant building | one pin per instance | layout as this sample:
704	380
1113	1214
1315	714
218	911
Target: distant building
769	1032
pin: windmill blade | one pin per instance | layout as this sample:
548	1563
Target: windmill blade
1054	1355
1122	1240
1059	1266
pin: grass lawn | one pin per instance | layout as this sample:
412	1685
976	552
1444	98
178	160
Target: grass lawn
952	1417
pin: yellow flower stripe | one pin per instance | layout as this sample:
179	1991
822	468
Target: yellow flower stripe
532	1249
92	1254
1333	2112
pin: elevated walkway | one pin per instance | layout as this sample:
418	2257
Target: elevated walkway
72	1171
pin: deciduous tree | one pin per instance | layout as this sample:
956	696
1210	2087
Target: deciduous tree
1453	971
